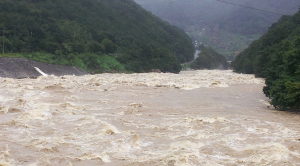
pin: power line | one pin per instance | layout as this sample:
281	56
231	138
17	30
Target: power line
249	7
3	40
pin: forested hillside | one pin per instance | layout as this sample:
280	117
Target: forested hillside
276	56
229	29
208	58
93	34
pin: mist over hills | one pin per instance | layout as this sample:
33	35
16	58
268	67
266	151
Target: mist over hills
94	35
227	28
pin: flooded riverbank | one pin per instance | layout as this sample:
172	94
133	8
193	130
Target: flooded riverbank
193	118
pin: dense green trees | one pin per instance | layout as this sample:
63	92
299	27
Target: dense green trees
69	29
208	58
256	58
276	56
283	76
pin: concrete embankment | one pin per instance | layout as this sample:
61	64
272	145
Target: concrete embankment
24	68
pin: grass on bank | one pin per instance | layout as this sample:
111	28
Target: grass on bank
185	67
90	62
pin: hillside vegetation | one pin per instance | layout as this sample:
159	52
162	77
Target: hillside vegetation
208	58
276	56
93	34
227	28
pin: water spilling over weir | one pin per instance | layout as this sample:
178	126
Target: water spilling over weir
194	118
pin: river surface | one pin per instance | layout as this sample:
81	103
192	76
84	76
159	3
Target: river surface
207	118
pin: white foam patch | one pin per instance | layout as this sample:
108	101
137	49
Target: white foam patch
142	119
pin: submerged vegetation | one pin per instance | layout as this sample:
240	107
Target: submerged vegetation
94	35
275	56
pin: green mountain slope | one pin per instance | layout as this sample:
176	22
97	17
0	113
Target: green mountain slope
208	58
84	33
276	56
227	28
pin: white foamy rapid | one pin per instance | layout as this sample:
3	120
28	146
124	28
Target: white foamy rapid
192	118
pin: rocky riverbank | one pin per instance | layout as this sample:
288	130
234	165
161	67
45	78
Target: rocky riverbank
25	68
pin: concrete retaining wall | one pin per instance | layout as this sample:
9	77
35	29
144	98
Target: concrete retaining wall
24	68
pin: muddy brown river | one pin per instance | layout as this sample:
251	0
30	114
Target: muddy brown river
207	118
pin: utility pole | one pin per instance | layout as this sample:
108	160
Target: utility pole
3	40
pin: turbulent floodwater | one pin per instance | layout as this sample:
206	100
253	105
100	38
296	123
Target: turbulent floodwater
203	117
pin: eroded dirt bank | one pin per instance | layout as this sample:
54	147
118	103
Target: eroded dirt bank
194	118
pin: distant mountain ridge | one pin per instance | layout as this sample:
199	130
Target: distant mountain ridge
227	28
84	33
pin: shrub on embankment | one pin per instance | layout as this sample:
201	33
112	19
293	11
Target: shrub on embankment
276	57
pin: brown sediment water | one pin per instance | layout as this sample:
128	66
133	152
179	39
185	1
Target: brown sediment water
202	117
